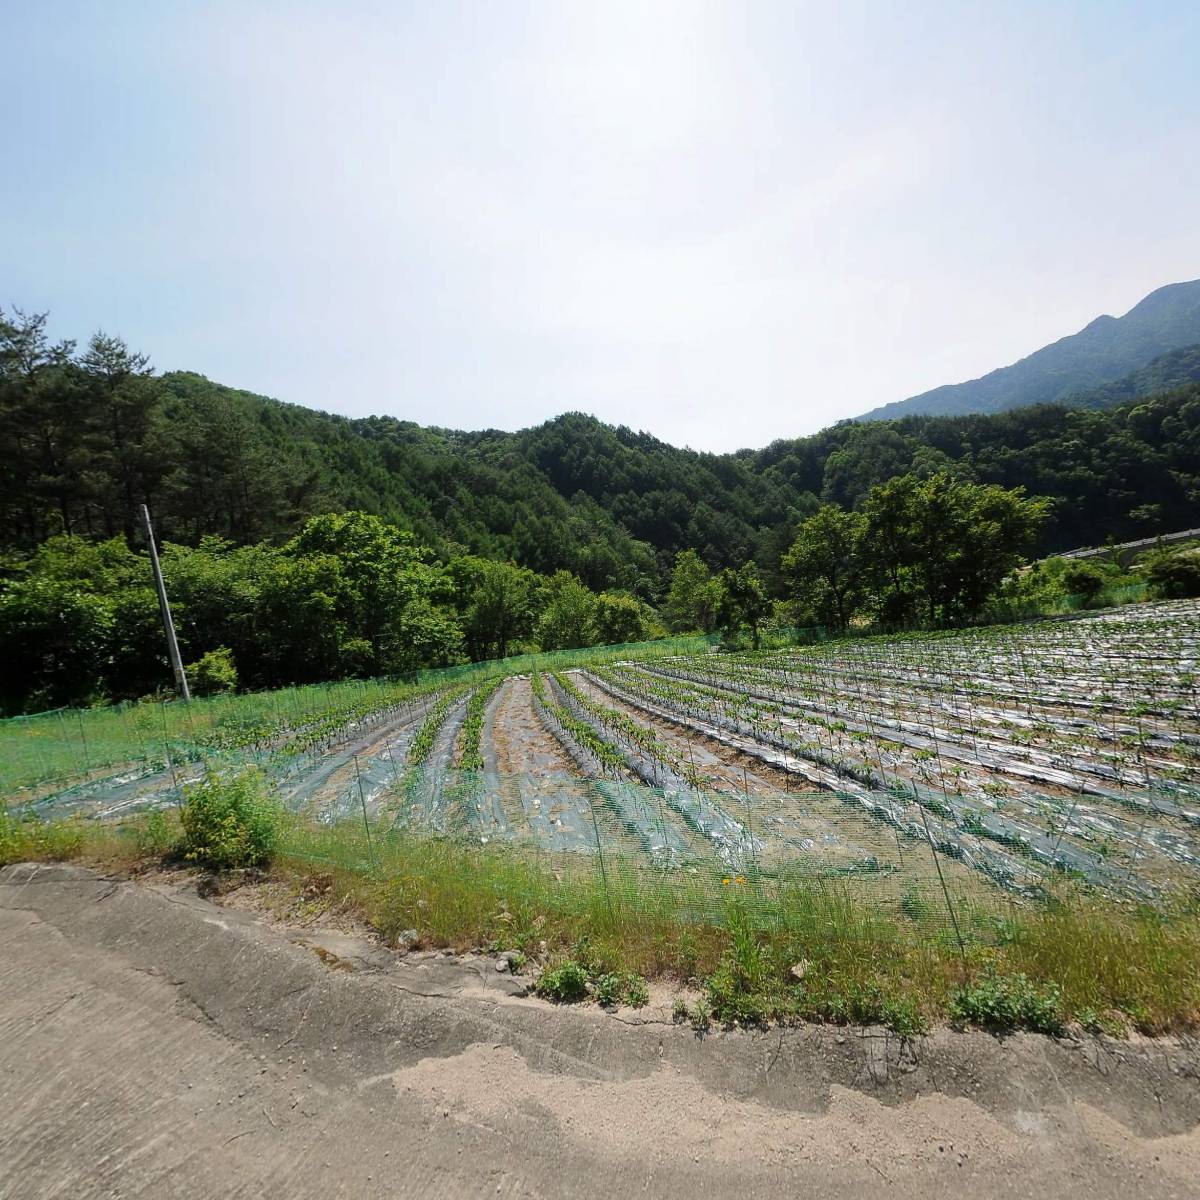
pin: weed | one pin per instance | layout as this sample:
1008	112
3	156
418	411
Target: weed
564	983
24	840
1009	1002
637	994
610	989
901	1015
744	987
228	822
155	835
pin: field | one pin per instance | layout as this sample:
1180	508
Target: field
987	761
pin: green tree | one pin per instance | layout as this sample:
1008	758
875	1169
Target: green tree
568	613
825	565
886	551
384	590
618	619
691	602
743	602
494	601
965	538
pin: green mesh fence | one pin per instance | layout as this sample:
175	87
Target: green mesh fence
987	762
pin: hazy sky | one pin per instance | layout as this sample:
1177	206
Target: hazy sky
722	223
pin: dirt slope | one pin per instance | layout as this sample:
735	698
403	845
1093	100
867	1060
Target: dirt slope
153	1043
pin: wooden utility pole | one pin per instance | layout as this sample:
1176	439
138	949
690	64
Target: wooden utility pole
165	609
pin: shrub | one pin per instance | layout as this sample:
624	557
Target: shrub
1009	1002
1084	579
1174	574
563	983
214	673
228	821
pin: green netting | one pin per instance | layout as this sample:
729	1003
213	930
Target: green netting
44	752
981	762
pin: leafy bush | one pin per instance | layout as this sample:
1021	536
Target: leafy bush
1009	1002
228	821
214	673
1084	579
615	988
563	983
1174	574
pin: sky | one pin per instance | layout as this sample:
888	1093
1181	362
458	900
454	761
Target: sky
719	223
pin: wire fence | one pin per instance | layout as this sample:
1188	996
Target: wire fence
43	753
933	771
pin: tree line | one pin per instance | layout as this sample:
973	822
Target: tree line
90	432
349	595
301	546
917	551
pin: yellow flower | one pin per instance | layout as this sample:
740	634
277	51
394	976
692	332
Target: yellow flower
741	879
725	881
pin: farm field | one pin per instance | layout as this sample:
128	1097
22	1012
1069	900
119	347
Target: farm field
988	761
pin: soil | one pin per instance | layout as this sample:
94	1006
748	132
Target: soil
515	742
154	1043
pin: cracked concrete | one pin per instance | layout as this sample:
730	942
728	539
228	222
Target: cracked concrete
158	1044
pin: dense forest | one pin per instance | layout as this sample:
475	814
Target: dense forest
88	435
453	544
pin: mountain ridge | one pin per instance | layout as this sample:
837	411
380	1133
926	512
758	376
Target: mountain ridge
1103	351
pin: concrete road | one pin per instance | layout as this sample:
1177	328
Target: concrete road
154	1044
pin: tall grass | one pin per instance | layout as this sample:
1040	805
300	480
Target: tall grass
822	949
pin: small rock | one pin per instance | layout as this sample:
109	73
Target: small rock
502	965
800	969
841	1041
408	937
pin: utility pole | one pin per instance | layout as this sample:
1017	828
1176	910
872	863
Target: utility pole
165	609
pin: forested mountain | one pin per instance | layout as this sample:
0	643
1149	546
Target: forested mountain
1107	349
87	436
1175	369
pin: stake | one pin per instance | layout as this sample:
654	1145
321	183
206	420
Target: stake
962	950
366	825
164	609
87	758
599	853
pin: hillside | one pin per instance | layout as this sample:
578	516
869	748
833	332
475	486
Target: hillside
1106	350
88	436
1175	369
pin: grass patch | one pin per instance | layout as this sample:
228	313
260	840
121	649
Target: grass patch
31	840
768	951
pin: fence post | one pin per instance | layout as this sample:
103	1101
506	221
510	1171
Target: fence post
600	851
366	824
962	949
